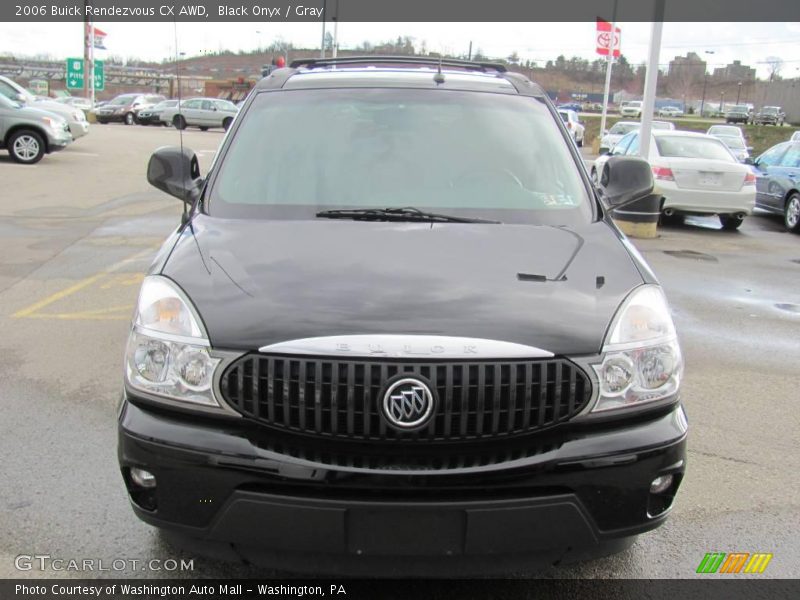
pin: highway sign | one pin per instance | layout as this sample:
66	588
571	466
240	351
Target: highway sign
99	76
75	74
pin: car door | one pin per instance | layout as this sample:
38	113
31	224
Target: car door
786	174
191	112
209	114
769	192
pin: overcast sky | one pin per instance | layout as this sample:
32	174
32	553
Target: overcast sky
751	43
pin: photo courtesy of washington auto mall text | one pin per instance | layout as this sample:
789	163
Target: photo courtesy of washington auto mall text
381	299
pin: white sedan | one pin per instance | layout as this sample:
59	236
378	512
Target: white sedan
670	111
694	173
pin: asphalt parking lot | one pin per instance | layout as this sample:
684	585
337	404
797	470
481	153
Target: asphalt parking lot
78	230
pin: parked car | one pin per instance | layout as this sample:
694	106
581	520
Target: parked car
631	109
201	112
84	104
124	108
574	125
770	115
379	341
694	173
152	116
737	146
29	133
725	130
741	113
574	106
76	119
620	128
778	182
670	111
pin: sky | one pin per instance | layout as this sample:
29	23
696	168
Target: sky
718	43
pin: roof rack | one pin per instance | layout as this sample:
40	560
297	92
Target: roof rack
312	63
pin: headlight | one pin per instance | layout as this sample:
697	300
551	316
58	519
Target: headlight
167	353
53	124
641	357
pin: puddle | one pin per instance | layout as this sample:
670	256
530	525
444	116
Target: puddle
691	254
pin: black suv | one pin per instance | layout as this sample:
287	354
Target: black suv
397	331
770	115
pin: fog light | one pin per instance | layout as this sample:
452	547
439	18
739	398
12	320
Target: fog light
658	486
142	478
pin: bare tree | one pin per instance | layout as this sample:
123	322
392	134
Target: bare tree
774	66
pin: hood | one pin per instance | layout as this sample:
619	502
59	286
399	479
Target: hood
32	111
257	283
62	110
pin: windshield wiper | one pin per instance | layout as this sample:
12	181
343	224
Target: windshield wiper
408	213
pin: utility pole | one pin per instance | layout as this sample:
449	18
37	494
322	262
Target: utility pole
738	92
469	54
703	101
87	85
650	80
335	49
322	45
610	62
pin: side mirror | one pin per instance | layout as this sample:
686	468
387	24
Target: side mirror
625	179
749	161
21	98
175	171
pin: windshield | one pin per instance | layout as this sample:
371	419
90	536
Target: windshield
725	130
692	147
733	142
623	128
166	104
465	154
740	108
661	125
8	103
770	110
122	100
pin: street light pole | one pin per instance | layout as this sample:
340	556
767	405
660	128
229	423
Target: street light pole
703	101
721	100
738	92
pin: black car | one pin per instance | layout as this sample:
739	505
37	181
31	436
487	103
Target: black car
125	108
382	341
741	113
778	182
770	115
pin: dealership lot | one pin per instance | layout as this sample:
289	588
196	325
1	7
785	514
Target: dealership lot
79	229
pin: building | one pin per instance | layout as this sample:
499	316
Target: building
687	68
735	71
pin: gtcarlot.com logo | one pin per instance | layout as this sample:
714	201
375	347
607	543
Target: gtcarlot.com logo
735	562
45	562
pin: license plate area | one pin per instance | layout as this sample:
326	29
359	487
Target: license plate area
709	178
419	532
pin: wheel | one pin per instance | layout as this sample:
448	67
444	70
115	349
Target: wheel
102	122
204	129
673	219
26	147
226	124
791	214
130	118
730	222
179	122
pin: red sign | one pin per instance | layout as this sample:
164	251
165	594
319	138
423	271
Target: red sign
604	39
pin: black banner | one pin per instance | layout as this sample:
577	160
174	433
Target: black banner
396	10
520	589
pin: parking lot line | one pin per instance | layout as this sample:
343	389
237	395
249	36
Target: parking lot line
32	311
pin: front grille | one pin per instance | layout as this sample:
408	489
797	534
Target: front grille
341	398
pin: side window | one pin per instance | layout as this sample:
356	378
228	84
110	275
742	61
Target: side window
206	105
772	157
634	145
191	104
792	157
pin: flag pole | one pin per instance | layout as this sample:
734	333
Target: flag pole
91	60
609	64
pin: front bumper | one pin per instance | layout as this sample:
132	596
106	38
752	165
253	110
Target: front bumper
292	504
78	129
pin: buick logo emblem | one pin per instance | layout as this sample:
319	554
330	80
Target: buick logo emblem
408	403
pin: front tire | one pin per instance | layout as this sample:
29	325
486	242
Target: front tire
204	129
226	124
130	119
730	222
26	147
791	213
179	122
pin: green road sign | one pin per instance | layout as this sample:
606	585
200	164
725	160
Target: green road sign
75	73
99	76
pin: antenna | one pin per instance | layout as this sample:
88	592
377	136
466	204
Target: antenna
185	216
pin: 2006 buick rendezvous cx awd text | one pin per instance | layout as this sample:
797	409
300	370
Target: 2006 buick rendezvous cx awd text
397	331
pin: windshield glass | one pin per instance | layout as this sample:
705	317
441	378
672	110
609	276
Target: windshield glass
739	108
623	128
732	142
123	100
770	110
166	104
661	125
692	147
725	130
466	154
8	103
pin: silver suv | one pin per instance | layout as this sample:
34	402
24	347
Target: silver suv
29	133
75	118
